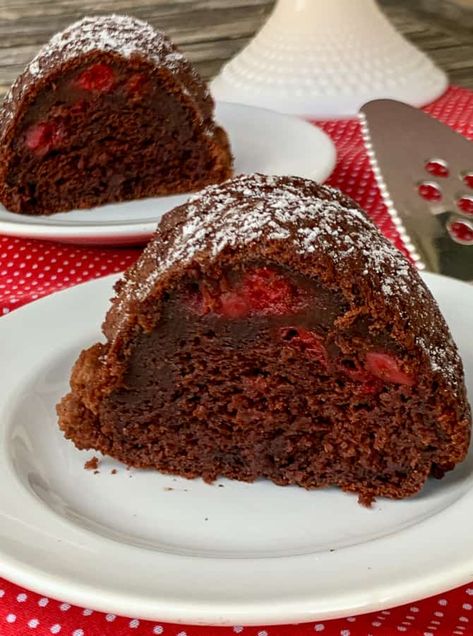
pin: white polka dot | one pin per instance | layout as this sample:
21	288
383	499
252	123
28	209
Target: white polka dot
376	624
55	629
11	618
428	634
78	632
64	607
43	602
21	598
134	623
33	623
263	633
238	629
87	612
319	627
463	619
345	632
5	311
351	619
469	591
182	634
159	629
110	618
439	614
2	593
443	601
414	609
466	606
401	628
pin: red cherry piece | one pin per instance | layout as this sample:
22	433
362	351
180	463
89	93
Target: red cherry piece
98	77
429	191
261	291
437	167
468	179
387	368
306	341
267	291
465	204
233	305
42	137
461	232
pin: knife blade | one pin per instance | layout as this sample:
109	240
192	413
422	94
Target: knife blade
424	170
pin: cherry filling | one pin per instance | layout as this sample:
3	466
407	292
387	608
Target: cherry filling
98	77
43	137
260	291
387	368
377	366
264	291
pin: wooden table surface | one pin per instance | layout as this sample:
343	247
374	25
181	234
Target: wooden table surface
212	31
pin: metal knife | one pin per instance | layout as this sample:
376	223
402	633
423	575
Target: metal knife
424	170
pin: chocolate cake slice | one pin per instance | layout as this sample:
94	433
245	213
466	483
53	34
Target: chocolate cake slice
108	111
269	330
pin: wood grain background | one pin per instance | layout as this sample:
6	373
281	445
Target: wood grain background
212	31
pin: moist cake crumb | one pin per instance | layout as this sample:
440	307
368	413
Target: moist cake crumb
92	464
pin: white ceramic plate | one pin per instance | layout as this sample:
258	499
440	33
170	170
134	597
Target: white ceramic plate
262	141
143	544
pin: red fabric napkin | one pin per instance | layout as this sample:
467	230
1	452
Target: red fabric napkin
30	269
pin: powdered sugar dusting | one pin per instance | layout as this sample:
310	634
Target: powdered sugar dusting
246	213
120	34
255	208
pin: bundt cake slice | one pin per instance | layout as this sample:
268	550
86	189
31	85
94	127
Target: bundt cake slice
269	330
108	111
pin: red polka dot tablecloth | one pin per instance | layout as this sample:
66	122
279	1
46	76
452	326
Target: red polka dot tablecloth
31	269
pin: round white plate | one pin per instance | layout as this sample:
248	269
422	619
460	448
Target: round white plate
261	140
143	544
